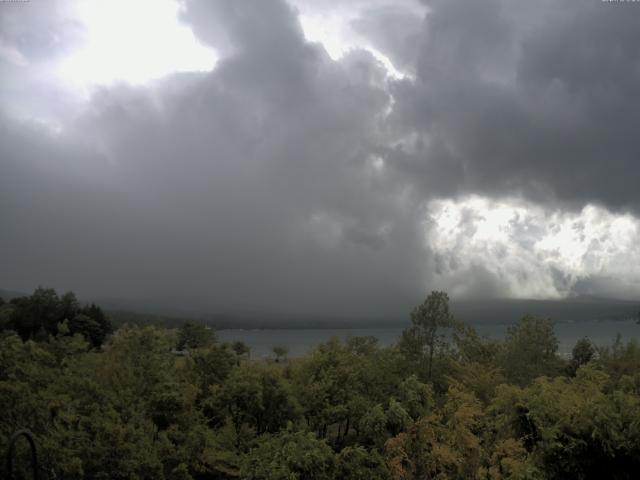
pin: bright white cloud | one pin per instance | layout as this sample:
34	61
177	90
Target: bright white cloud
133	42
526	251
332	28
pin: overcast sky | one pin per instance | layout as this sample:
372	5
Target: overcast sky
320	156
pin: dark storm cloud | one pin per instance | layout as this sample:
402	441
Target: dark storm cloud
522	98
525	97
248	187
284	181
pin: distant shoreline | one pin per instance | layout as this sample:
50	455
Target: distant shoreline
373	326
300	340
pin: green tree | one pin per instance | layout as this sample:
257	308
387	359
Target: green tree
427	337
290	456
372	427
88	328
509	460
416	397
39	311
326	381
583	352
37	317
472	348
397	417
194	335
443	444
207	367
366	345
280	351
621	358
575	427
94	312
6	314
348	410
530	350
68	306
241	349
253	396
357	463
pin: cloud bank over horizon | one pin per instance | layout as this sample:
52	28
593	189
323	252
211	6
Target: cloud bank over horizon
320	157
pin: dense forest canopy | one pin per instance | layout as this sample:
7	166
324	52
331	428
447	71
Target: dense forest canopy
44	313
442	403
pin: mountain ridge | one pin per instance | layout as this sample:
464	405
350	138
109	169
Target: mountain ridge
476	311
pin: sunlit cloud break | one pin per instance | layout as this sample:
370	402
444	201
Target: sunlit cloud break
133	54
525	250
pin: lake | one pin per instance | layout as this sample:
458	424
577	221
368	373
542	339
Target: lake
300	341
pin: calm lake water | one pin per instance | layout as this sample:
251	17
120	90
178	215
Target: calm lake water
300	341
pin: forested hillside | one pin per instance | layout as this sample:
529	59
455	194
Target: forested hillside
443	403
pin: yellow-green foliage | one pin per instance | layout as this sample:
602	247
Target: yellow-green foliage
468	408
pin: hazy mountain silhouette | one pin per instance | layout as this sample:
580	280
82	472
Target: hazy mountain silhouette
479	311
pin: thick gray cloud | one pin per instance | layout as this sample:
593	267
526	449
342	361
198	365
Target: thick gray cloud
249	186
285	181
395	30
515	99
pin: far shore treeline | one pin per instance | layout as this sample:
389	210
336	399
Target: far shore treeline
109	400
